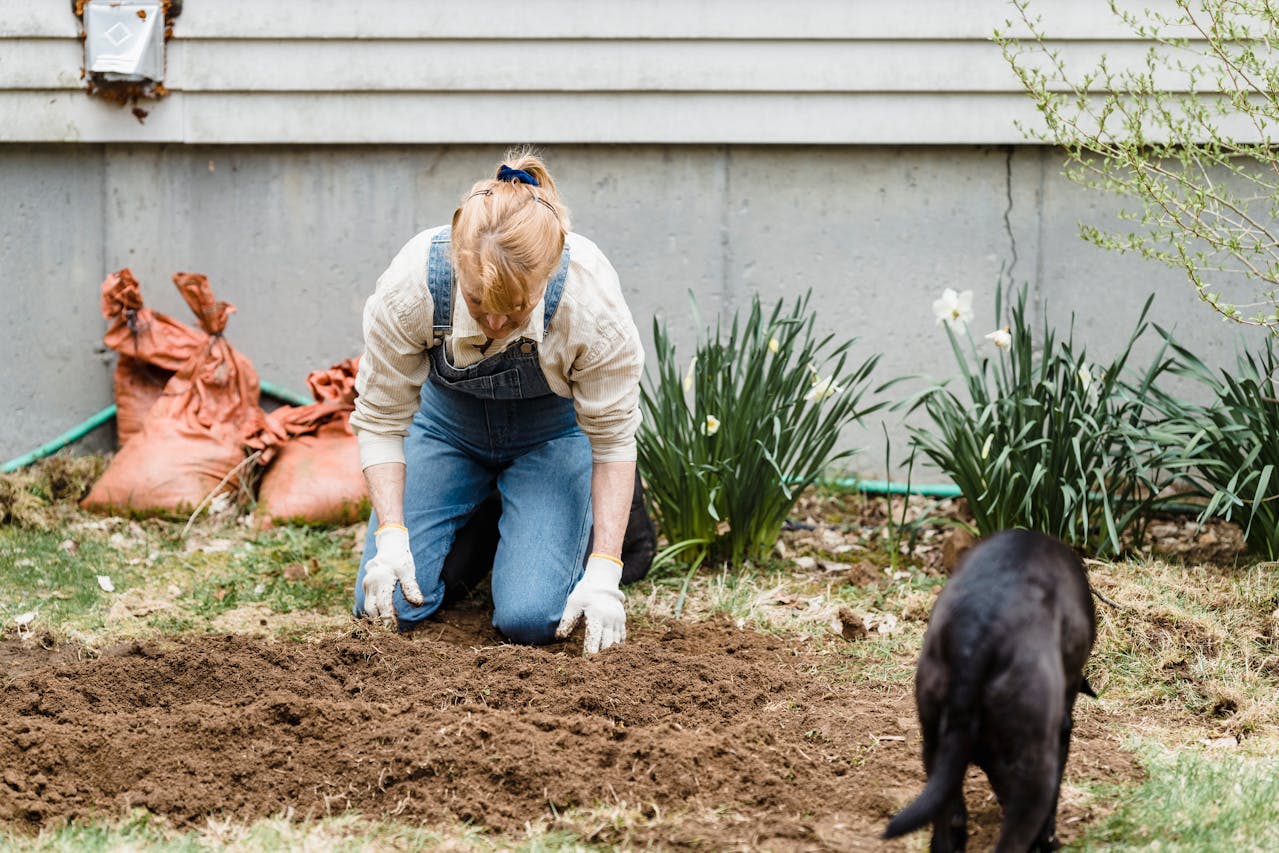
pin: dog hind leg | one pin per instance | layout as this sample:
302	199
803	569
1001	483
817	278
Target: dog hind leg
950	827
1027	794
1047	841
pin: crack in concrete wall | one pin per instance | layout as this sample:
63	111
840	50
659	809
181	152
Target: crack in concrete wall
727	291
1008	211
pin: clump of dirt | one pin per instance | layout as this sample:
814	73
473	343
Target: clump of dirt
40	496
447	724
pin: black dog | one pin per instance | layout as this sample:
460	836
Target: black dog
1000	669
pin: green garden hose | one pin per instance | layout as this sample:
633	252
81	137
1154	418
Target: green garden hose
889	487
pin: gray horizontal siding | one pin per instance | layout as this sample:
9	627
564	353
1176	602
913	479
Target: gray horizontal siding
600	19
456	65
401	71
549	117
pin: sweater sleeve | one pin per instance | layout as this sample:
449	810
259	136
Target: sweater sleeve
605	385
397	332
600	355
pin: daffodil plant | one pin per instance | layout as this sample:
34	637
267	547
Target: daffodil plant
1230	445
1042	438
731	438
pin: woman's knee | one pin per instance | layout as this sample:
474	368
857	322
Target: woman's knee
528	624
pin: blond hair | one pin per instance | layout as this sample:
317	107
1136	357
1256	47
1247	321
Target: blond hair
508	236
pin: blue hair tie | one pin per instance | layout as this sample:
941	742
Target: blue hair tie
516	176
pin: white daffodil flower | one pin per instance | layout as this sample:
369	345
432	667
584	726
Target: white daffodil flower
954	308
1001	338
773	346
710	426
690	374
1085	377
822	388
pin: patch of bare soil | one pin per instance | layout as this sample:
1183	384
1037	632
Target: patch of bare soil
1181	537
448	723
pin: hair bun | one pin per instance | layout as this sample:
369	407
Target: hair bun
516	176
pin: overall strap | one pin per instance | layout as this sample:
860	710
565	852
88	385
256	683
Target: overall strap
555	289
439	279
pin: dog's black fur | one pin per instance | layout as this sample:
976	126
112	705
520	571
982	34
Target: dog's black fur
1001	666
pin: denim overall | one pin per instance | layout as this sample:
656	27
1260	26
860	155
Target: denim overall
496	422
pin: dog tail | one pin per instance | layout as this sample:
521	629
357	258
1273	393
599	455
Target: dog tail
1086	688
955	736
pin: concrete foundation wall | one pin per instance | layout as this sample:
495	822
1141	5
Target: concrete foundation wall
296	236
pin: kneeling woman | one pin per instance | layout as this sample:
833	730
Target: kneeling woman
499	351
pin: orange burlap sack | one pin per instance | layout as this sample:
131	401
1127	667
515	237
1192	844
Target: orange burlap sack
314	474
151	346
192	440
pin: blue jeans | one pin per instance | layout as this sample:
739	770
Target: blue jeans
458	447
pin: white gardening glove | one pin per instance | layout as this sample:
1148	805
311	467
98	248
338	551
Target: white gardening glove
598	598
393	563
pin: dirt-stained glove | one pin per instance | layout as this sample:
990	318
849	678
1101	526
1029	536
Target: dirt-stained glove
393	563
598	598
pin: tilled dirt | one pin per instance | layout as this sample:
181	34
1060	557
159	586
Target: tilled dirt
722	738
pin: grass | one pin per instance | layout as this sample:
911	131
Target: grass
142	831
1194	801
285	569
46	573
1190	656
1195	644
165	583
